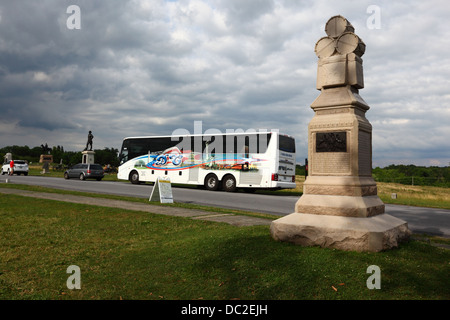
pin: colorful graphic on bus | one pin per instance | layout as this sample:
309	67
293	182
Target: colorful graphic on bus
174	159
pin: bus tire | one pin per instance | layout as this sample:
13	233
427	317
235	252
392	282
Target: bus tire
211	182
134	177
229	183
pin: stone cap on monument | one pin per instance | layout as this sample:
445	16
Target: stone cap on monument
339	54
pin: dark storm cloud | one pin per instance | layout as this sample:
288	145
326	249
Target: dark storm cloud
142	67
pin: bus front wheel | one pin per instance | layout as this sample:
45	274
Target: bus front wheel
134	177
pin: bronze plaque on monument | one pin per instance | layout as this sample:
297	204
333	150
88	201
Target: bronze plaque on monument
331	141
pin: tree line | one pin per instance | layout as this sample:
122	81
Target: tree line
406	174
68	158
413	175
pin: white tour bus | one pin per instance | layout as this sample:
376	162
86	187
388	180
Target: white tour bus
227	160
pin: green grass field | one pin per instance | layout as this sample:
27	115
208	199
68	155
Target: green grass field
135	255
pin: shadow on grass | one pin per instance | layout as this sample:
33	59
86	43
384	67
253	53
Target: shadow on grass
257	267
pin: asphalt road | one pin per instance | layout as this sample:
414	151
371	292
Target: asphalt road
420	220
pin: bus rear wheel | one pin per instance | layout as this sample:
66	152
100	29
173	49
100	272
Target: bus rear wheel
229	183
134	177
212	182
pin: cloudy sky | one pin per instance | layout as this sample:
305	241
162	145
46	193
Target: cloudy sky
144	67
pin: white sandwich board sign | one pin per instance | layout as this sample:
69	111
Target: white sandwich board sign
162	191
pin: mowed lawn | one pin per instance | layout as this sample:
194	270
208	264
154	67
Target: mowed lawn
135	255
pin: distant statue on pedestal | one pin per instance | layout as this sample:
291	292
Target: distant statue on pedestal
89	141
87	153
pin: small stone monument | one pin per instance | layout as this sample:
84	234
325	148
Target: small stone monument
88	155
340	207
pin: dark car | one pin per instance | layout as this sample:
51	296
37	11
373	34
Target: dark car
85	171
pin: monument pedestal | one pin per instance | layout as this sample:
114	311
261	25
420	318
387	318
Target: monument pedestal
87	156
340	207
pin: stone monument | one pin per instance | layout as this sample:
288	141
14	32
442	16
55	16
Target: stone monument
88	154
46	157
340	207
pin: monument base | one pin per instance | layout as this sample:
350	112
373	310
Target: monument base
88	156
373	234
